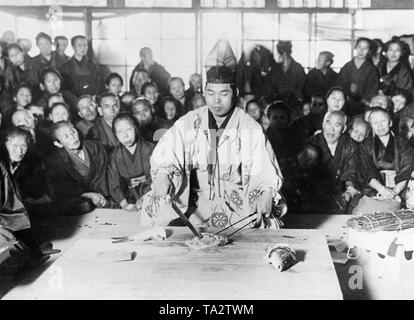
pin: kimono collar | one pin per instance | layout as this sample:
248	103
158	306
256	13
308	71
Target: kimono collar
212	124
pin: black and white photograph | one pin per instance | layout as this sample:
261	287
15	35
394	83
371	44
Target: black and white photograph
206	155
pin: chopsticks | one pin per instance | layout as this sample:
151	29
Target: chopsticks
241	228
237	222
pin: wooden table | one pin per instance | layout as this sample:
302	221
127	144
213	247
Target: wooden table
171	270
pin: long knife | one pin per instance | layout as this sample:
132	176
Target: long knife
185	219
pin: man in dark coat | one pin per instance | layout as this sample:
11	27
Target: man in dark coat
21	70
151	127
77	171
336	175
81	74
156	72
46	57
321	78
108	108
287	76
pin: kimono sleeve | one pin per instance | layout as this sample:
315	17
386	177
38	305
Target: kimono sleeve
265	174
114	179
406	165
300	82
368	168
343	78
371	85
13	214
168	157
100	179
311	83
350	171
405	80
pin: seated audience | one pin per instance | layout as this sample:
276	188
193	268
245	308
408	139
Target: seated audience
129	175
196	85
25	168
88	114
282	139
76	172
177	91
138	79
51	84
394	71
386	160
197	101
151	128
43	145
254	110
358	129
38	113
336	175
150	93
114	84
108	109
170	109
59	112
14	217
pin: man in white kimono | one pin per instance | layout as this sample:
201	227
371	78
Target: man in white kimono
215	162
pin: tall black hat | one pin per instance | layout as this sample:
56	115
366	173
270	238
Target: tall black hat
221	63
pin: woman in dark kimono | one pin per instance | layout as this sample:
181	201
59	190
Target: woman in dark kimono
386	161
170	109
129	175
394	71
359	78
25	168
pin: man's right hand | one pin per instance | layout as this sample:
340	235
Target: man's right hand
97	199
161	185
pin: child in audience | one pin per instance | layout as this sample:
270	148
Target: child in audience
114	83
38	113
282	139
150	92
254	110
358	129
197	101
51	84
171	109
43	145
129	175
59	112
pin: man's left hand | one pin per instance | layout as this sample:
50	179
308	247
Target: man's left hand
263	207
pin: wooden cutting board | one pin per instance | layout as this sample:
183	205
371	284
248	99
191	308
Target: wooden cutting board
171	270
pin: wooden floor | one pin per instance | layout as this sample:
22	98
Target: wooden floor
172	265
